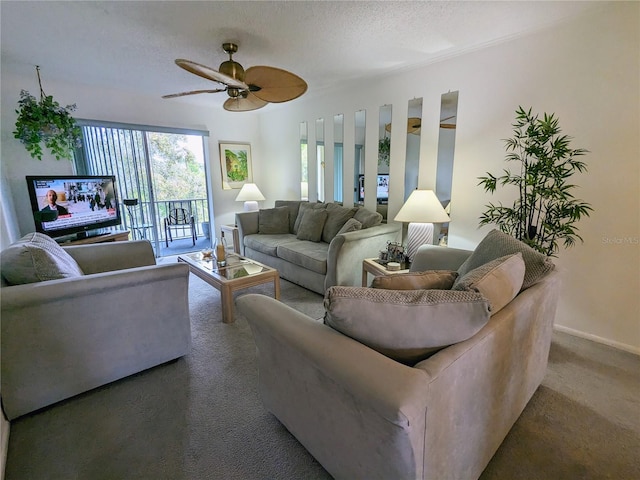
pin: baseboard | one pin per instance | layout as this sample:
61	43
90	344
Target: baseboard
4	443
595	338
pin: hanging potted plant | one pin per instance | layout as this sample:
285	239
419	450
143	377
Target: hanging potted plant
545	212
384	151
46	123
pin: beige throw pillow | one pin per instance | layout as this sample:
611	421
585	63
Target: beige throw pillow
499	281
432	279
405	325
36	258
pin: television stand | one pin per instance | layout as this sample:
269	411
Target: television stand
113	236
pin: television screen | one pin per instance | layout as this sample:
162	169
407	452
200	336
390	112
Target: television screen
82	203
383	187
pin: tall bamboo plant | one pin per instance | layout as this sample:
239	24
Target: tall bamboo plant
545	213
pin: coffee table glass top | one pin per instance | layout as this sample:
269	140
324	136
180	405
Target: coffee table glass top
236	267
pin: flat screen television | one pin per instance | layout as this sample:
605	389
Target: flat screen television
84	204
382	188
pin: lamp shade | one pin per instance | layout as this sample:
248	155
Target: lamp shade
422	206
249	192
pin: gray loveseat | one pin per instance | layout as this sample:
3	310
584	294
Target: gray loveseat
363	414
329	253
120	314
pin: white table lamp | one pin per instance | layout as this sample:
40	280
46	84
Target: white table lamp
250	194
421	210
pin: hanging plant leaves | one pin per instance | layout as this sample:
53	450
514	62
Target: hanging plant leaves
46	123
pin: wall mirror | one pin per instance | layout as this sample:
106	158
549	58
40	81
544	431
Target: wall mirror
320	157
358	163
304	164
338	172
412	158
384	155
446	146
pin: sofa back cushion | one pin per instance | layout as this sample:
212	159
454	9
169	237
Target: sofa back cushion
294	207
337	216
37	258
273	221
498	244
405	325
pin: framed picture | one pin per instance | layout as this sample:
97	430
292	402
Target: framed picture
235	165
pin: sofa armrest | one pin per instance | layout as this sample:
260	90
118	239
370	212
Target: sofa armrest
348	250
435	257
247	223
105	257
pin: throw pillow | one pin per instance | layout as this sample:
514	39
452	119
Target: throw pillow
351	225
36	258
337	216
405	325
431	279
312	224
367	217
273	221
498	244
304	206
499	281
294	207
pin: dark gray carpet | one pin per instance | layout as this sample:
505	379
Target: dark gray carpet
200	417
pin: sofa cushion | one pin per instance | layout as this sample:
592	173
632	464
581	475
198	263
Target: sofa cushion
294	207
405	325
311	226
431	279
304	206
350	225
273	220
268	244
36	258
306	254
499	281
367	217
498	244
337	216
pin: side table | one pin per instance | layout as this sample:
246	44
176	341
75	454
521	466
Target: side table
231	232
370	265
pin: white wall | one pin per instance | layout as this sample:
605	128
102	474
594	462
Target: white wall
587	72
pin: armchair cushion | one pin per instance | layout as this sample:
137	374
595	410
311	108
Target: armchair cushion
37	258
405	325
273	220
497	244
499	281
431	279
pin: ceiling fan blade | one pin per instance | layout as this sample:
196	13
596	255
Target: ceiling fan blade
193	92
450	126
244	104
413	125
276	85
210	74
448	118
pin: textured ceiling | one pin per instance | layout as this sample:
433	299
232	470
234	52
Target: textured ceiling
131	45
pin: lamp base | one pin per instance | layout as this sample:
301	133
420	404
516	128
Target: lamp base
418	234
250	206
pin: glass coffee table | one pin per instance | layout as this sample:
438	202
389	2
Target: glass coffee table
238	273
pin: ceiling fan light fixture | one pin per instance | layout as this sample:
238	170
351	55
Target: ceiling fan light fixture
232	69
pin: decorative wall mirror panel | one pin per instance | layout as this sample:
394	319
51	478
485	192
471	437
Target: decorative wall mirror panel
384	155
360	124
338	168
412	159
446	150
320	157
304	164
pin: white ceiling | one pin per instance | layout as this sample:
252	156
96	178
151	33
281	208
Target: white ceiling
131	45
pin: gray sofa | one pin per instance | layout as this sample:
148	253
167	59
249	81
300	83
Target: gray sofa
61	337
334	259
362	414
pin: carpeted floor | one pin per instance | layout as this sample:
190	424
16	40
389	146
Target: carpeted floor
200	417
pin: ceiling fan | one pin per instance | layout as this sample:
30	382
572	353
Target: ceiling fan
247	90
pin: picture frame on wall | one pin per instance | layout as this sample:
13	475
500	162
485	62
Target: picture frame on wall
235	165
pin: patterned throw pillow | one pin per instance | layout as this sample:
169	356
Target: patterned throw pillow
272	221
311	225
405	325
37	258
498	244
431	279
499	281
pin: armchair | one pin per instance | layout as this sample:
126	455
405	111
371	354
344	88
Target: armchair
64	337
